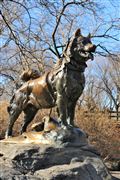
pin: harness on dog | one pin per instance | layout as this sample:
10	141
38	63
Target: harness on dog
74	66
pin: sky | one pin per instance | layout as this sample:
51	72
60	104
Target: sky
88	23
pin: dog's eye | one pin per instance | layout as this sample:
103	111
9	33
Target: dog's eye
84	42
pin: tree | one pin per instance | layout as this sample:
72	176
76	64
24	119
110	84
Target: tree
110	77
34	33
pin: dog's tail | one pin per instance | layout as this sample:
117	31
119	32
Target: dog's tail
29	74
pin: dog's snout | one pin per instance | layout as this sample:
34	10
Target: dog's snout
90	47
94	48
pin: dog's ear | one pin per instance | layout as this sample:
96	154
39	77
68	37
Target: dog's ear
77	32
89	36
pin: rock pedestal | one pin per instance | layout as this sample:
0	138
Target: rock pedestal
66	154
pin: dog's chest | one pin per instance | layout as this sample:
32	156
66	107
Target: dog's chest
75	82
68	82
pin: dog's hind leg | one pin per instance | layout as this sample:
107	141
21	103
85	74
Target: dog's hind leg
29	113
14	112
18	101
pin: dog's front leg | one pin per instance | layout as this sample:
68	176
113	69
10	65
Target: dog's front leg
61	100
62	109
70	113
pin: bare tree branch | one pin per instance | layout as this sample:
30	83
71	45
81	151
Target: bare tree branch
59	19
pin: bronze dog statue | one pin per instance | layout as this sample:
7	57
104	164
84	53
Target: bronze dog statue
59	87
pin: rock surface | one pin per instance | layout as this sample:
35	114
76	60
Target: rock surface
65	155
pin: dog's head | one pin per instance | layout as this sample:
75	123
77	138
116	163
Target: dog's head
80	47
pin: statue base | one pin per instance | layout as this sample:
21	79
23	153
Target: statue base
61	153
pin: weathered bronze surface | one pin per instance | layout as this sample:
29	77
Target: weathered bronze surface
60	87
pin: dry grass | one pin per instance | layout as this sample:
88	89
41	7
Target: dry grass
103	133
3	118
